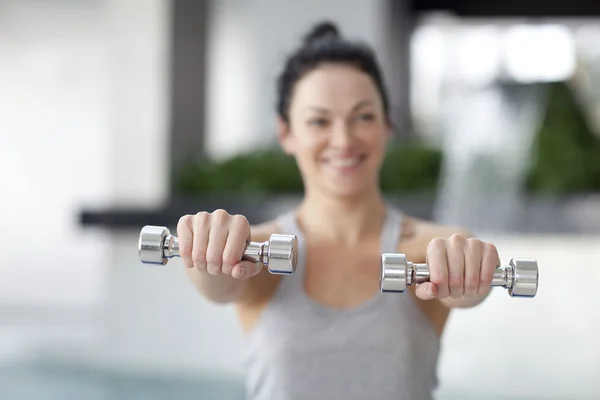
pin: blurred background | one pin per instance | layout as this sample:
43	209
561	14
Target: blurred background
115	114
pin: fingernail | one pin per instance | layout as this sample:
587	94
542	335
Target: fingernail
240	272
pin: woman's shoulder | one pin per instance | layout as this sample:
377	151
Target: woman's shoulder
262	231
418	232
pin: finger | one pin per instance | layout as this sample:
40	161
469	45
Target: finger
237	240
456	265
473	261
217	237
426	291
490	261
438	266
200	228
186	243
246	269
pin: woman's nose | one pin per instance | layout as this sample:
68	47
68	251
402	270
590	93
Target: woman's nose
341	135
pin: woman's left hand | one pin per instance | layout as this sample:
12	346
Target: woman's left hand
459	267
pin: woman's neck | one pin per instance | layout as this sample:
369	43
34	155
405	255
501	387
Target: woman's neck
347	221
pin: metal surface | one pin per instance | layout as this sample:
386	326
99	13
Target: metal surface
279	254
520	276
525	276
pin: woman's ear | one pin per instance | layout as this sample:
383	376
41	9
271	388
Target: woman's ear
284	136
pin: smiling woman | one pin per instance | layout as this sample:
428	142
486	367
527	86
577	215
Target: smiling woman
333	113
318	333
340	130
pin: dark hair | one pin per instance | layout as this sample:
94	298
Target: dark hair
324	44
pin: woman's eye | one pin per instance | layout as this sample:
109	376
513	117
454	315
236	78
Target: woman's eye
318	122
366	117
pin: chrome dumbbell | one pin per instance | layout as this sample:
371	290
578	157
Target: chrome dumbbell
280	254
520	276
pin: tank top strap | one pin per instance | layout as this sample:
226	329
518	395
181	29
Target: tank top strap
287	223
391	232
291	285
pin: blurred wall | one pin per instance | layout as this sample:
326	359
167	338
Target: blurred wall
54	146
82	123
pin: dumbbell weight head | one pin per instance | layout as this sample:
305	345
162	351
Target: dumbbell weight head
151	244
525	277
393	272
282	254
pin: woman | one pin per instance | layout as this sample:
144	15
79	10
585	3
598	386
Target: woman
326	332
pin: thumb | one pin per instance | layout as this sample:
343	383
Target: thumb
246	269
426	291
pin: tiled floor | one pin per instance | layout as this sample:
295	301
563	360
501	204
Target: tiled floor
63	383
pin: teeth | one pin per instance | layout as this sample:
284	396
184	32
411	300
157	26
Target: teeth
344	162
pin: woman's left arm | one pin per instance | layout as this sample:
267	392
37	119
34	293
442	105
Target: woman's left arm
461	269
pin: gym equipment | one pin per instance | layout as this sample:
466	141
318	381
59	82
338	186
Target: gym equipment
520	276
279	254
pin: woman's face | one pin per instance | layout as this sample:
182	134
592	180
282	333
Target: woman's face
337	130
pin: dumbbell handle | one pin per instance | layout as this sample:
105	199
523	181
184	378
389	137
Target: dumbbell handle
520	277
280	254
419	273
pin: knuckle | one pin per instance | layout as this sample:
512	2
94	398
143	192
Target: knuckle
227	268
199	265
198	257
202	215
213	264
229	261
239	219
214	259
491	248
471	283
184	222
437	278
473	243
213	270
220	215
437	243
239	222
201	218
456	240
456	281
184	230
486	278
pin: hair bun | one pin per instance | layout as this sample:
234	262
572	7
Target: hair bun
322	30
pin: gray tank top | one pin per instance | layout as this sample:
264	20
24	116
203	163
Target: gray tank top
300	349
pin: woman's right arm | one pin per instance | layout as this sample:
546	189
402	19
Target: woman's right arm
211	246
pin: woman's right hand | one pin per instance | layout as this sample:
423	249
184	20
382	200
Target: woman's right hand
214	243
